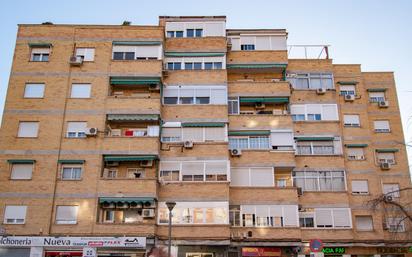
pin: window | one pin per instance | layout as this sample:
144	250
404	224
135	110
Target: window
200	134
195	95
234	216
360	187
254	177
364	223
282	140
15	214
76	129
311	80
375	97
71	172
250	142
193	171
318	147
174	66
320	180
386	158
66	214
123	55
170	34
213	65
269	215
314	112
333	218
34	91
233	105
381	126
80	91
351	120
194	32
395	224
195	213
307	219
348	90
40	54
247	47
87	54
21	171
28	129
281	183
193	65
391	190
355	154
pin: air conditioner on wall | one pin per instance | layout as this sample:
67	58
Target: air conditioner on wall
188	144
91	131
349	98
76	61
385	166
235	152
148	213
383	104
321	91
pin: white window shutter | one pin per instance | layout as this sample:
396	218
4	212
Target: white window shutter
347	88
41	50
28	129
282	138
351	119
147	51
263	43
15	212
276	210
342	217
76	126
297	109
169	165
261	177
313	109
21	171
247	209
192	168
193	134
34	90
330	112
290	216
360	186
216	167
239	177
218	96
170	92
235	43
117	48
215	133
364	223
172	132
377	94
323	217
262	210
80	91
381	125
247	40
66	214
153	131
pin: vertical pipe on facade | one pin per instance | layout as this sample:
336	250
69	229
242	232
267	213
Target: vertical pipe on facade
56	177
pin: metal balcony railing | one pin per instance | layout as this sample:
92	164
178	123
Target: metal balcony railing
308	51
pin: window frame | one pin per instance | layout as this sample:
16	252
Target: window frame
15	220
89	95
250	175
322	112
73	171
364	216
204	175
261	142
318	178
33	136
86	49
356	125
12	165
58	221
32	84
43	57
78	134
308	76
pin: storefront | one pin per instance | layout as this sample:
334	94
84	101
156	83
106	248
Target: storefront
21	246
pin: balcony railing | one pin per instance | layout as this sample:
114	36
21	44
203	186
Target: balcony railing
308	51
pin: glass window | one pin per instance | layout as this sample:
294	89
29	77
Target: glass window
34	91
66	214
71	173
28	129
247	47
170	100
364	223
190	33
197	65
118	56
15	214
76	129
80	91
170	33
40	54
320	180
129	56
233	105
87	54
199	32
217	65
202	100
21	171
208	65
179	33
188	65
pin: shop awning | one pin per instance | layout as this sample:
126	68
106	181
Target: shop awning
314	138
132	117
264	100
203	124
40	45
134	80
356	145
387	150
71	161
194	54
21	161
136	43
126	199
120	158
256	65
250	133
376	89
347	82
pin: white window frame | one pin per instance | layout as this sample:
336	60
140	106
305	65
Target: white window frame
23	134
382	130
360	192
333	218
376	99
318	178
212	95
72	168
355	157
351	116
250	175
200	59
313	144
41	95
321	112
235	103
344	90
87	55
364	216
15	220
85	86
395	224
322	76
42	51
182	132
269	215
392	192
15	176
77	133
59	221
261	142
205	172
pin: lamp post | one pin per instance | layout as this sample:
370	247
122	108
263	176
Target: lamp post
170	206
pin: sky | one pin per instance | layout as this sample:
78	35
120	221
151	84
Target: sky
374	33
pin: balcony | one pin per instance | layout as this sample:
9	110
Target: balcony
308	51
188	232
273	158
208	112
137	67
250	234
251	195
198	190
259	60
137	144
258	88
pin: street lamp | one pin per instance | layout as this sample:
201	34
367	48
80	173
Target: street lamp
170	206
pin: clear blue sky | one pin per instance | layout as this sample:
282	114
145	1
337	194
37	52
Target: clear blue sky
376	34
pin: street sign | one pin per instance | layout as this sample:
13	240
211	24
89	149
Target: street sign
316	245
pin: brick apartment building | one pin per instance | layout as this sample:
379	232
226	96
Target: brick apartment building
262	152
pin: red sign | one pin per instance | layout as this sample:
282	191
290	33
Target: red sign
316	245
261	251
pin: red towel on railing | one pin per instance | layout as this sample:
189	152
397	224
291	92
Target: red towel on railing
128	133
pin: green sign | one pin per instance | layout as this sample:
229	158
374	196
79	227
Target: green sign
410	249
334	250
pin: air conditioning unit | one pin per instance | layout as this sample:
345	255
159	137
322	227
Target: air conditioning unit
91	131
121	205
236	152
112	164
349	98
321	91
259	105
383	104
188	144
388	198
115	132
154	87
135	205
148	213
76	60
300	191
108	205
147	163
291	75
385	166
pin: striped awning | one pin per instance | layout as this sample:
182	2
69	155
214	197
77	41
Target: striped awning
376	89
137	43
126	200
203	124
132	117
250	133
387	150
119	158
71	161
264	99
134	80
21	161
314	138
356	145
256	65
194	54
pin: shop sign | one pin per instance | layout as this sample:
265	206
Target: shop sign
261	251
394	249
89	252
26	241
316	245
333	250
